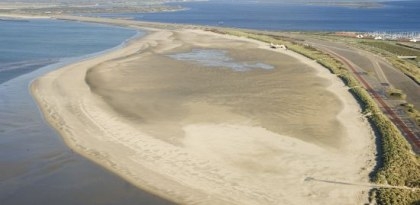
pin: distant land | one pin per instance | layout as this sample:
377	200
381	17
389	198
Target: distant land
345	3
41	7
85	6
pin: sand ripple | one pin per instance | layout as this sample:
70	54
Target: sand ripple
200	136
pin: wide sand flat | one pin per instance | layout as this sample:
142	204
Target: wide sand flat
197	134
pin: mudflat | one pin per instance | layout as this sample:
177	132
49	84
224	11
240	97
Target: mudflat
203	118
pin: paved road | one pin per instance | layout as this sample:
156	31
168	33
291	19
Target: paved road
376	67
376	75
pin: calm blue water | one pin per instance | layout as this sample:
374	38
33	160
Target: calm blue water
398	16
36	167
27	45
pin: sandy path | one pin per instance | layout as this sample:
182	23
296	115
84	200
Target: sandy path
213	163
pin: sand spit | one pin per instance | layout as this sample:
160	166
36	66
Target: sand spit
200	135
20	16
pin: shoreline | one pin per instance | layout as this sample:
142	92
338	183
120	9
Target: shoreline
37	154
55	117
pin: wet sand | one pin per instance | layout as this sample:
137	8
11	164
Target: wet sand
198	134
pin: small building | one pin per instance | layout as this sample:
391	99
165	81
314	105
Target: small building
274	46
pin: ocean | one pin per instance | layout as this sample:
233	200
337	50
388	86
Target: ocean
392	16
29	44
36	167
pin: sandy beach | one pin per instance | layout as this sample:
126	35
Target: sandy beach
263	127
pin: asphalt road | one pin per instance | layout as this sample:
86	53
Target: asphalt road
375	66
377	75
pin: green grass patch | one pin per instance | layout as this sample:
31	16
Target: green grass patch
395	93
412	112
409	45
393	48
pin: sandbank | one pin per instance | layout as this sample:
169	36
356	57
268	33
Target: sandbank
196	134
21	16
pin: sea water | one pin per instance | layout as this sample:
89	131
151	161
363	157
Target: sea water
29	44
389	16
36	167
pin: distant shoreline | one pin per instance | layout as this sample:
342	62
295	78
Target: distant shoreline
363	5
28	9
349	18
7	16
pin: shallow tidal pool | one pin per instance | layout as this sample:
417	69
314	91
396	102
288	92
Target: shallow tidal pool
218	58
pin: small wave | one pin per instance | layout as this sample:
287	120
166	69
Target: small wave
23	65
